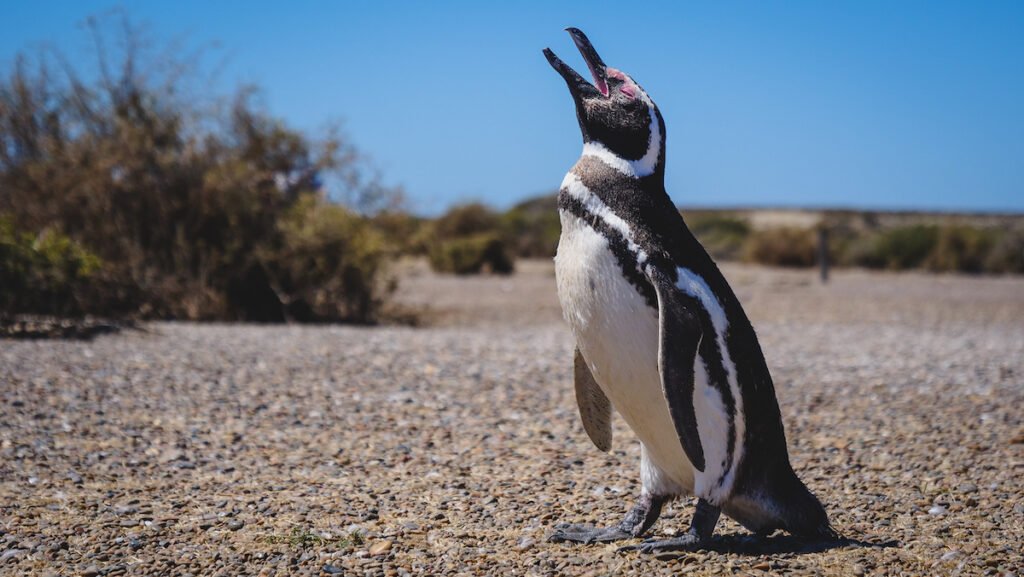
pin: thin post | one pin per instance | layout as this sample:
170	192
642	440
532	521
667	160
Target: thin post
823	252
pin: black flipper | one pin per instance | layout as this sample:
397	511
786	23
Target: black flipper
679	339
595	409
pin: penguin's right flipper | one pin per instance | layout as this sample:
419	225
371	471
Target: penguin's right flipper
679	339
595	409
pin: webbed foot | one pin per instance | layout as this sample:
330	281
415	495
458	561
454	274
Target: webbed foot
686	542
587	534
637	522
705	517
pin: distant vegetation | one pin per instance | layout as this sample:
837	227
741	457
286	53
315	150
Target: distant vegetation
134	191
468	239
890	241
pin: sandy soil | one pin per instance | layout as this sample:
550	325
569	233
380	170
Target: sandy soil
455	448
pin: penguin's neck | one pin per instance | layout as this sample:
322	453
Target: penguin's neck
645	170
649	167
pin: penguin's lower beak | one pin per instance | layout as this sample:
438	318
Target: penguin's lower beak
577	84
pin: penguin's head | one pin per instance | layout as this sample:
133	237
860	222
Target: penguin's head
614	112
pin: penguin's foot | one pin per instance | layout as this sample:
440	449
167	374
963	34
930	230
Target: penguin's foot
587	534
705	517
687	542
637	522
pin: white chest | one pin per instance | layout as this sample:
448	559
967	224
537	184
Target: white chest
617	332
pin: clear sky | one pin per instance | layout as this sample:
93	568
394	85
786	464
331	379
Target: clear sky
855	104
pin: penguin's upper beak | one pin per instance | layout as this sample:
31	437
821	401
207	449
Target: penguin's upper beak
577	85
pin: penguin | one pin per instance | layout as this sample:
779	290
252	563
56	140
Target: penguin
660	335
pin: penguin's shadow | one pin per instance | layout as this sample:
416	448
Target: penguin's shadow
746	544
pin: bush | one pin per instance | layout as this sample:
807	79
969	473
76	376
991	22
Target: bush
723	236
329	265
403	232
1007	254
43	274
467	220
788	247
468	240
472	255
533	227
897	248
194	204
961	248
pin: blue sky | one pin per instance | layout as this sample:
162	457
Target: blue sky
911	105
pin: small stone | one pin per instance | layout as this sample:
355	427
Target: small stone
967	488
380	548
13	554
524	543
763	566
91	571
937	510
332	569
236	524
949	555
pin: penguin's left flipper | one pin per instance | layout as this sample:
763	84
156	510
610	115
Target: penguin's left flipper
679	339
595	409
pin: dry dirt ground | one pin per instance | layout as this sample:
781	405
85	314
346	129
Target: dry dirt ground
455	448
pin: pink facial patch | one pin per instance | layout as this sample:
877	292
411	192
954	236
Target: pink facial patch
628	87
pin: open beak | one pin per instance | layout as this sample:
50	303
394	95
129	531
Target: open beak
578	86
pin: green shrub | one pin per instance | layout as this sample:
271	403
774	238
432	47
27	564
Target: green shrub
198	205
722	235
1007	254
961	249
467	220
788	247
896	248
328	266
403	232
472	255
468	240
533	227
43	274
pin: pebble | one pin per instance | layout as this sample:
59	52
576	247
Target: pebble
380	548
967	488
13	553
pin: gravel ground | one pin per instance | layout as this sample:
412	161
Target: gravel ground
454	449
